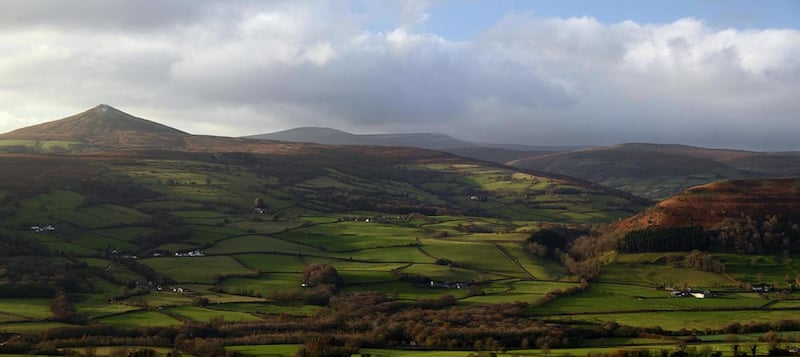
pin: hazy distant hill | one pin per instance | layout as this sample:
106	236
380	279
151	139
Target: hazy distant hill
330	136
658	171
500	153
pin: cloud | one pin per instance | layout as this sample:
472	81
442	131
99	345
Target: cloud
264	66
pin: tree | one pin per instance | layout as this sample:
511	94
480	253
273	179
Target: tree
259	203
61	307
545	348
734	341
314	274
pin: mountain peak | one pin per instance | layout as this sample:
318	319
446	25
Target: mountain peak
104	108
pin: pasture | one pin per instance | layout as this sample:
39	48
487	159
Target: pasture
185	269
608	297
140	318
203	314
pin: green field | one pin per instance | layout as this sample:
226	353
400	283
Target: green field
140	318
206	314
185	269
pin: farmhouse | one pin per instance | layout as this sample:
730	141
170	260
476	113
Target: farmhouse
442	285
194	253
693	293
763	288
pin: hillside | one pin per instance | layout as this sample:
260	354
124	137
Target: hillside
659	171
710	204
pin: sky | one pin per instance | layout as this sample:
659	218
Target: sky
710	73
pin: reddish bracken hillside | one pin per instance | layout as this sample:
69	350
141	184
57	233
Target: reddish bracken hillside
710	204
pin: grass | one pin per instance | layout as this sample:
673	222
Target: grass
127	234
266	350
273	263
761	268
677	320
265	308
482	257
540	268
185	269
202	314
605	297
404	254
256	244
208	235
406	291
343	236
140	318
514	291
30	308
265	285
93	309
441	272
30	327
665	275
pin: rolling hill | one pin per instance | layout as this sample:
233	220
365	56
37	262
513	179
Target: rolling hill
659	171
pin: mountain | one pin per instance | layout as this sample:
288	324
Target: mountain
658	171
102	125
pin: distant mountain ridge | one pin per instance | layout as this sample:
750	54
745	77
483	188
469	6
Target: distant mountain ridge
330	136
499	153
658	171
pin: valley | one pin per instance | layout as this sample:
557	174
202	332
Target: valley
165	241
